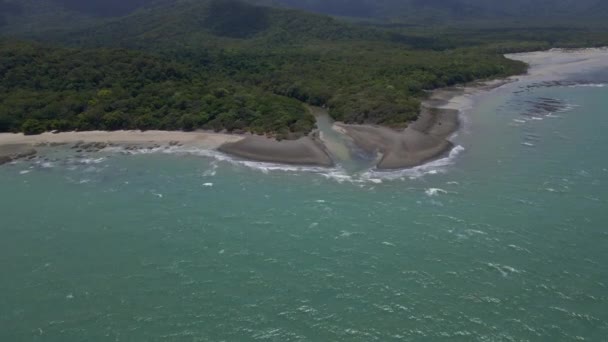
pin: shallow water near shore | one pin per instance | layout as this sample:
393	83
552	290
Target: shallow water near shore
503	240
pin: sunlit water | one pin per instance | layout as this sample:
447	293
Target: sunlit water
506	240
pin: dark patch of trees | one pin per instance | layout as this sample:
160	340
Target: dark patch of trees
236	19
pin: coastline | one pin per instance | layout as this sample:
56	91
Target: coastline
17	145
424	140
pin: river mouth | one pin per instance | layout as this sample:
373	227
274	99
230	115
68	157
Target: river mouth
341	148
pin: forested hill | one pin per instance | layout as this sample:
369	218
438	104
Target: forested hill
37	15
22	16
201	24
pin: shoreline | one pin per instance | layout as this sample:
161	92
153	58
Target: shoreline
427	138
15	146
424	140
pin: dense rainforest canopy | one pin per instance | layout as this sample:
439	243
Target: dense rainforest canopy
232	65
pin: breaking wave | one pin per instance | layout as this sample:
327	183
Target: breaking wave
589	85
337	173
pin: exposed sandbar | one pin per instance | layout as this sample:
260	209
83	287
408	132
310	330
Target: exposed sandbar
304	151
399	149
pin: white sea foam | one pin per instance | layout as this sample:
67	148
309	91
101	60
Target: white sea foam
47	165
589	85
337	173
88	161
434	191
24	172
528	144
208	185
211	172
503	269
568	107
431	168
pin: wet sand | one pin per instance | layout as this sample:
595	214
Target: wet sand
304	151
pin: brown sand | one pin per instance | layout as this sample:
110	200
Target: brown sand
421	142
304	151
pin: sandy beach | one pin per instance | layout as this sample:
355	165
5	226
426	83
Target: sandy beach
558	64
203	139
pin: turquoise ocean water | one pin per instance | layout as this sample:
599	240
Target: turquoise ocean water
506	240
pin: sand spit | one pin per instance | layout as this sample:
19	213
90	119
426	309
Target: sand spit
304	151
399	150
558	64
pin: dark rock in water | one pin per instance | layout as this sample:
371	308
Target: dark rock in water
9	153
